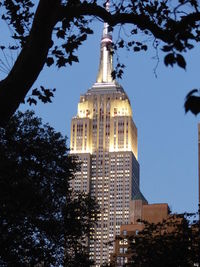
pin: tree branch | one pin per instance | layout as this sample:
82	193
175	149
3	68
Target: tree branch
30	61
142	21
32	57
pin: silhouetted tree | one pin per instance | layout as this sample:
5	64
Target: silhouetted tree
52	32
41	219
174	242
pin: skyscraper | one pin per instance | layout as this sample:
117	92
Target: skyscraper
104	137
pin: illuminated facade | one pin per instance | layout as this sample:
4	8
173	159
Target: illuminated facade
104	137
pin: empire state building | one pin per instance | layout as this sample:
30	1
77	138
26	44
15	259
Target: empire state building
104	137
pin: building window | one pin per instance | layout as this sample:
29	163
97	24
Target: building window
123	250
124	232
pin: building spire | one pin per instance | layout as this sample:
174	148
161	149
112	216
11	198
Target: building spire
106	66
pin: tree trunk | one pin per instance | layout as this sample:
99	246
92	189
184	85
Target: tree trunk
30	61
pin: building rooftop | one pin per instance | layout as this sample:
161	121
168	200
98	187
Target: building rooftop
139	196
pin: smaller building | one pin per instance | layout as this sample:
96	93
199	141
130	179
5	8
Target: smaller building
140	211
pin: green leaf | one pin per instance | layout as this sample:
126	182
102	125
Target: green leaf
144	47
170	59
49	61
192	104
61	62
60	34
121	44
166	48
31	101
181	61
74	58
136	49
35	92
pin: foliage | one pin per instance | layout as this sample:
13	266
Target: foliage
39	213
51	33
174	242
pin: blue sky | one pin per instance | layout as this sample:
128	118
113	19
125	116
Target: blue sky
167	137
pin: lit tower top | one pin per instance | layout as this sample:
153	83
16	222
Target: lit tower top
106	66
106	111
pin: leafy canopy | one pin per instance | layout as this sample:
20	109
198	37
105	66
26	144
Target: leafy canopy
173	242
41	218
